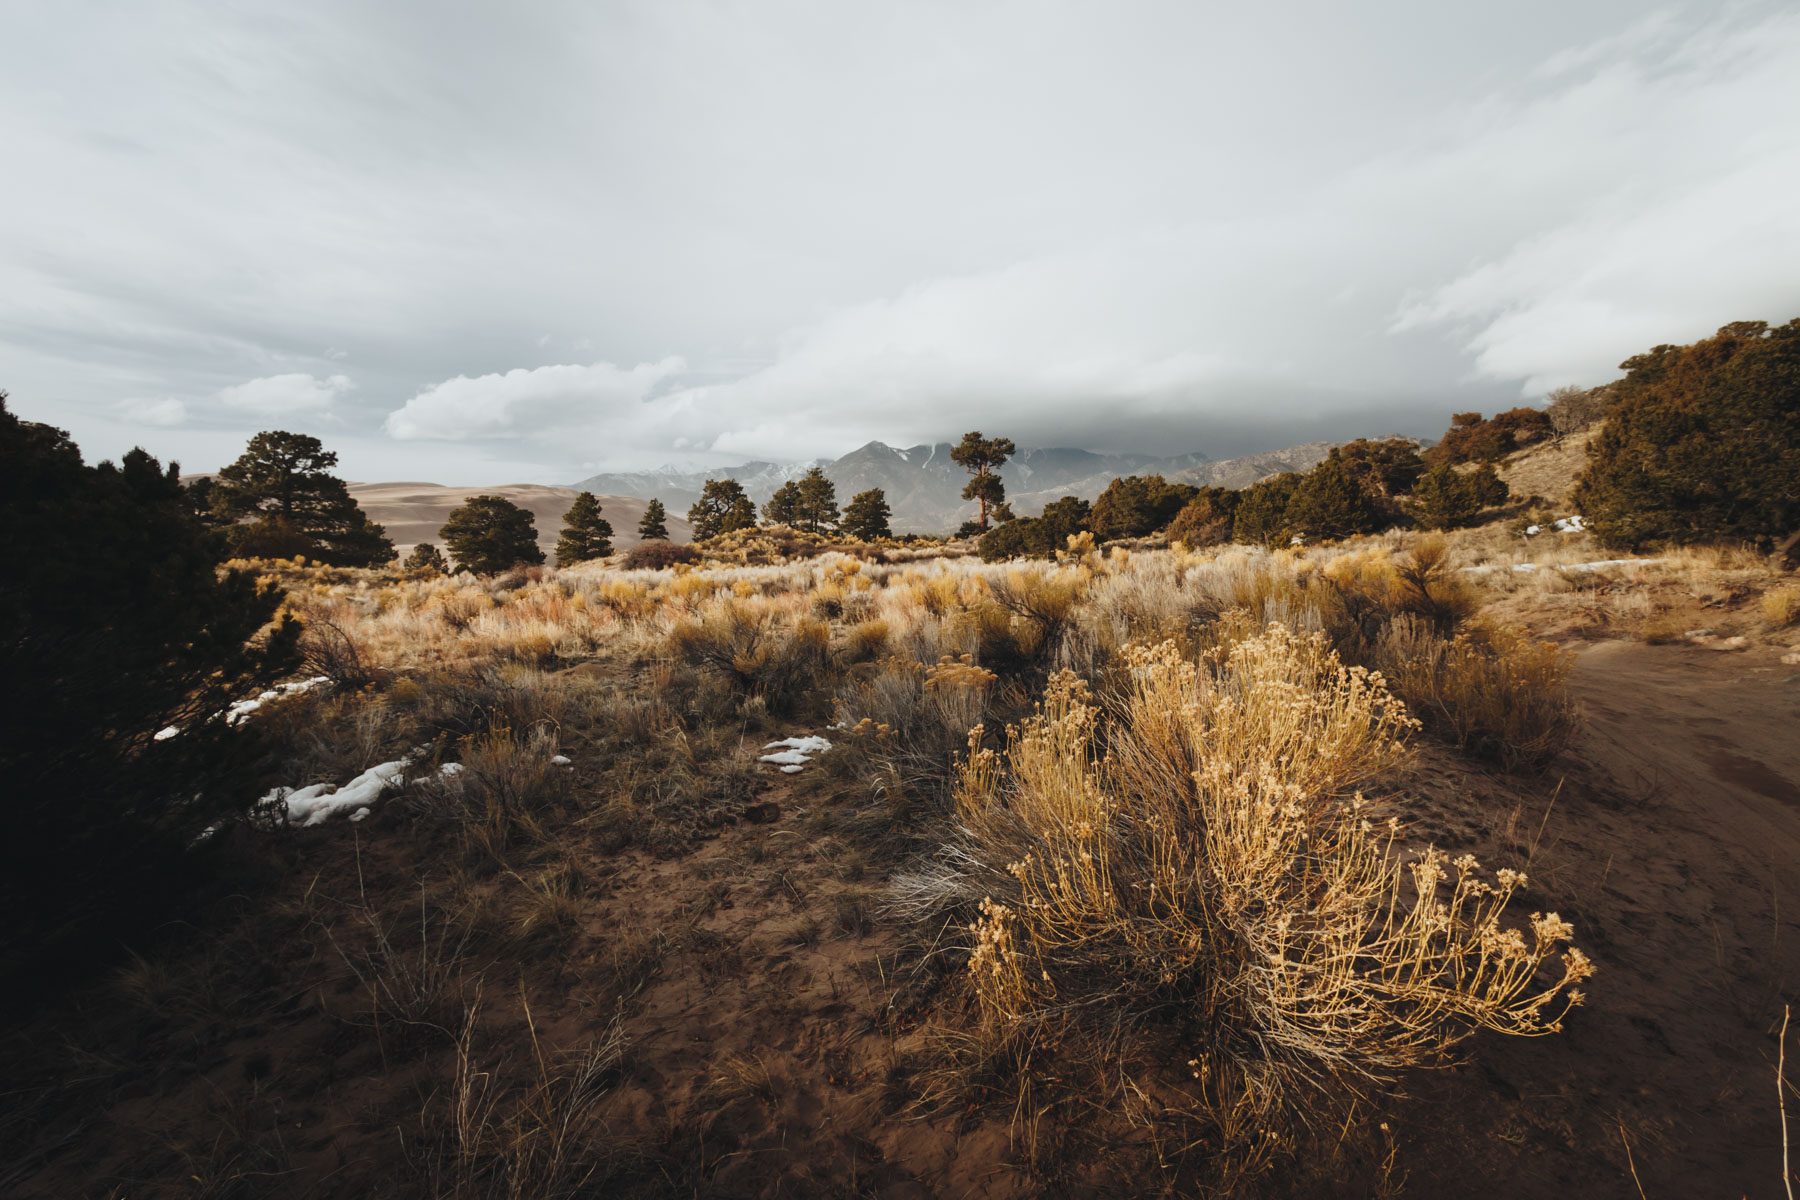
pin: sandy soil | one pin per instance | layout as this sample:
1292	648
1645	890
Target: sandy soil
415	512
776	1038
1670	841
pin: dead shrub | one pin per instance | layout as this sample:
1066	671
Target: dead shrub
755	649
542	1139
1217	862
1781	606
657	555
1491	691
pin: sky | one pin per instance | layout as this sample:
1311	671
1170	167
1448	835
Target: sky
484	243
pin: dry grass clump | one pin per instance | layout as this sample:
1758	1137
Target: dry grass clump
1491	691
542	1139
906	721
761	649
1781	606
1217	862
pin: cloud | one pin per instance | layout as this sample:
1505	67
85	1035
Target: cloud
543	402
274	395
165	412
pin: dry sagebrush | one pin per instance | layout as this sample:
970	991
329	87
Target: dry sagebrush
1216	860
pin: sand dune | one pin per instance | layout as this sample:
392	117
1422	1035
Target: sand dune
414	512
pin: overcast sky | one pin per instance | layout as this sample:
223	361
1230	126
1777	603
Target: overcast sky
487	242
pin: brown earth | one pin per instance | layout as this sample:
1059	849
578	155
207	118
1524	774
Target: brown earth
777	1031
415	512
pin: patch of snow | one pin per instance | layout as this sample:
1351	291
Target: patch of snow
240	710
797	755
562	760
320	802
1569	524
1586	566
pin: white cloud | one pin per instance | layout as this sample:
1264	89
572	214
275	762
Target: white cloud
549	403
164	412
274	395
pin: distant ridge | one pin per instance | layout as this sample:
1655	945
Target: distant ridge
923	486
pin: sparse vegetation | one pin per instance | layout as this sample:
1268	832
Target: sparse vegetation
1128	869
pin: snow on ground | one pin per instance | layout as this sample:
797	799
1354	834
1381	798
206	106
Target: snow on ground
240	710
319	803
1602	565
798	754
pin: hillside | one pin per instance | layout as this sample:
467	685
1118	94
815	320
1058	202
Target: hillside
1548	468
415	512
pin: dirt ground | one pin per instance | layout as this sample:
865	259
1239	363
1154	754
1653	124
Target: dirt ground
775	1033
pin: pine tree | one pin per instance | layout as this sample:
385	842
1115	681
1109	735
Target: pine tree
1261	516
586	534
983	458
1332	502
722	508
1206	520
866	517
818	501
427	559
115	623
1701	442
489	534
783	508
280	494
654	526
1445	498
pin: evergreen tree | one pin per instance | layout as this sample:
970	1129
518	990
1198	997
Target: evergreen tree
1445	498
1134	506
1261	516
1331	502
983	458
489	534
427	559
654	526
1701	442
866	518
586	534
1037	537
280	494
1471	439
722	508
1206	520
1386	468
115	623
783	508
818	501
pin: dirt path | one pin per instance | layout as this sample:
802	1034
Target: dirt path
1673	846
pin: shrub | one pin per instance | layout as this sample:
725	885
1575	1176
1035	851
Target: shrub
1471	439
1261	516
1447	498
117	625
1036	537
752	647
1332	502
1781	606
426	560
658	555
1701	442
1491	691
1216	864
1206	520
1134	505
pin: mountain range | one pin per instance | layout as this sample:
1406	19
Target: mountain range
923	486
